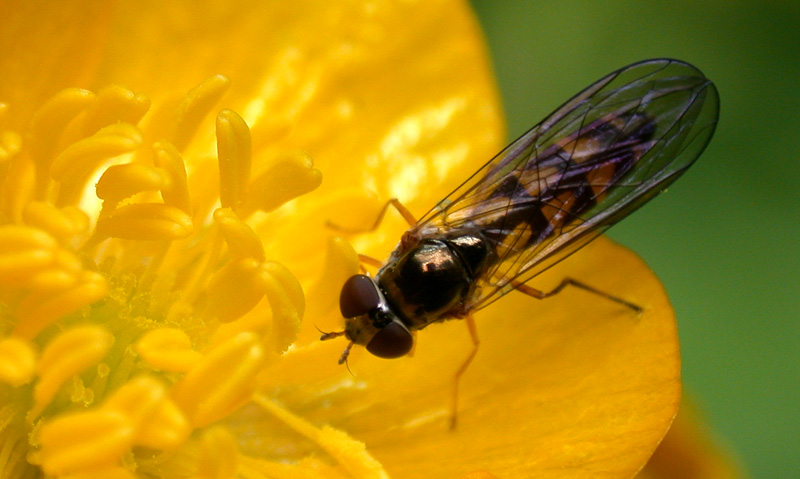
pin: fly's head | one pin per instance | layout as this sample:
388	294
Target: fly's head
370	322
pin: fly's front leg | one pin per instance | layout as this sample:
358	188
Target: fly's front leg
404	212
473	333
572	282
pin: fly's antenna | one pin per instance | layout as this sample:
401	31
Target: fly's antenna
326	336
346	353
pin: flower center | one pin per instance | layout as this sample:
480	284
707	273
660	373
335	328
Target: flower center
139	304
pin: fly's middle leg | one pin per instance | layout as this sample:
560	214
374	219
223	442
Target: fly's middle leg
575	283
473	333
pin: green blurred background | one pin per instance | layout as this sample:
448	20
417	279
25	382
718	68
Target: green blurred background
724	239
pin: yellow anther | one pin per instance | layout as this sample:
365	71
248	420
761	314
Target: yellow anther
17	361
168	158
222	382
235	289
84	440
167	349
53	279
158	423
114	104
219	454
137	399
73	166
38	310
197	104
51	120
287	302
167	428
24	252
61	224
78	218
123	181
10	145
235	158
348	452
70	353
146	221
242	241
291	175
15	238
18	187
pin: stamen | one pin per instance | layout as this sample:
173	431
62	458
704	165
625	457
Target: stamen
114	104
219	456
84	440
146	222
50	122
61	223
242	241
235	289
194	108
235	158
222	381
157	421
10	145
292	174
176	193
348	452
123	181
287	301
74	165
168	349
70	353
17	362
40	309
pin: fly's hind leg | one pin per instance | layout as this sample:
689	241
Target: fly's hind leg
404	212
572	282
473	333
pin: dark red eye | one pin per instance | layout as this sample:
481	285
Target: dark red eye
359	296
392	341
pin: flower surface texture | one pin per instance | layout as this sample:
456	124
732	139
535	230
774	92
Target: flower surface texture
168	171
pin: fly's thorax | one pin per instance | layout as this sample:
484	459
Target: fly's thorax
429	281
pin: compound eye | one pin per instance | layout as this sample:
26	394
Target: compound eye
359	296
391	342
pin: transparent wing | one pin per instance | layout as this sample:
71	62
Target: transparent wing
593	161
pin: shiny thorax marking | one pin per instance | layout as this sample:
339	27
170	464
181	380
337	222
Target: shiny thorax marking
593	161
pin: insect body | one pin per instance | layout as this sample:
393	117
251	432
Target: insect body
593	161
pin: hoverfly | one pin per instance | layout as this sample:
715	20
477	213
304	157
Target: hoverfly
590	163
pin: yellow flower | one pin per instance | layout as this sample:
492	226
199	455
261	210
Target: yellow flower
167	173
